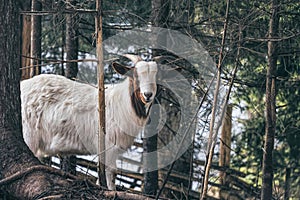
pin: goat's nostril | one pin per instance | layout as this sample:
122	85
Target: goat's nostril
148	94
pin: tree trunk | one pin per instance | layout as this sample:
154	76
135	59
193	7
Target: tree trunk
63	47
101	96
10	115
68	163
287	183
224	159
150	177
36	34
267	173
71	43
25	40
159	13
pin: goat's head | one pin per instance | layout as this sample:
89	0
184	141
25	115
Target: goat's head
143	76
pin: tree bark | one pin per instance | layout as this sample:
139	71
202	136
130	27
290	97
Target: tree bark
101	96
270	104
224	159
150	145
71	43
287	183
10	115
36	34
25	40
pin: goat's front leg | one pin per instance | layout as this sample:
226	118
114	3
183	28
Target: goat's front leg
111	178
111	167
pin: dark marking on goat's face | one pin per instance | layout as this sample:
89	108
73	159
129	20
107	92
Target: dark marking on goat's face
143	87
137	104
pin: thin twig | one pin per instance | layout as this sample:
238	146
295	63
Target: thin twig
59	62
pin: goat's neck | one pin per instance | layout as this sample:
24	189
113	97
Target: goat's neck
131	107
140	108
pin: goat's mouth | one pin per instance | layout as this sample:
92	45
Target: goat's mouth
148	100
145	100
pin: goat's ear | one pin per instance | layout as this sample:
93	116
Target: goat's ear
122	69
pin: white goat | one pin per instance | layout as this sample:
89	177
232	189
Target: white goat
60	116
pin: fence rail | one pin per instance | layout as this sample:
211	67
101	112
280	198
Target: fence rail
131	180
